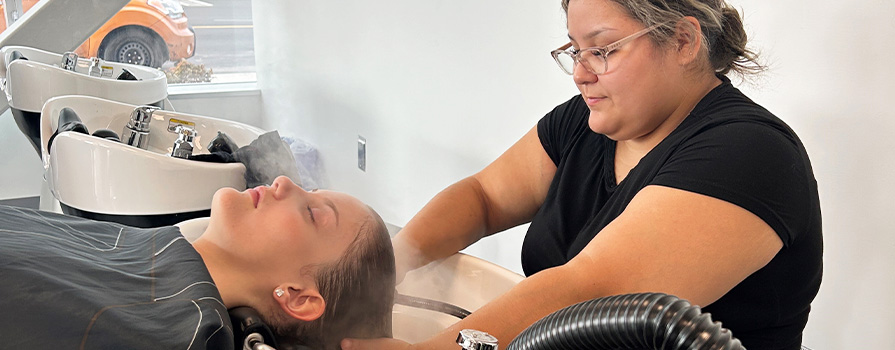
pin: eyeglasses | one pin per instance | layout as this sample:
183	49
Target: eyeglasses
593	58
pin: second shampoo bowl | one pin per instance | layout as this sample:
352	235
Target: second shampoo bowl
112	181
31	76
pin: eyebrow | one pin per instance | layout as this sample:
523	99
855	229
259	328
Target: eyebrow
333	205
591	34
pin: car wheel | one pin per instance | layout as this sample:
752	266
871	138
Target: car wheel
134	45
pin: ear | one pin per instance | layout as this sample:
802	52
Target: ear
305	304
688	39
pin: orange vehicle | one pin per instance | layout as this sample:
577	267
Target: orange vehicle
146	32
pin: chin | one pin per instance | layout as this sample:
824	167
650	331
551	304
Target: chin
600	124
223	195
226	200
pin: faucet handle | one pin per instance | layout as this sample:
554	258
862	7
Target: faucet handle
69	61
183	146
97	69
185	132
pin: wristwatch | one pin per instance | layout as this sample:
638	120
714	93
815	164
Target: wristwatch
471	339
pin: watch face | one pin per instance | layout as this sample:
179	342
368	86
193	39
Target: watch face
476	340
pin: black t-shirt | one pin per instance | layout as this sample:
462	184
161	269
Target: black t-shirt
728	148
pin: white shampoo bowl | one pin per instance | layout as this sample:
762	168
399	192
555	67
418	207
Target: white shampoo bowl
461	280
29	83
112	181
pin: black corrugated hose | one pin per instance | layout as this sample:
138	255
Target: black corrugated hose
651	321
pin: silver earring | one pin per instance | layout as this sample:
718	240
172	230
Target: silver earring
279	292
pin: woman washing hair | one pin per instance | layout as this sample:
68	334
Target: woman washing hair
318	266
660	176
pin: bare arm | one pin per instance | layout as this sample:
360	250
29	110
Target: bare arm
506	193
667	240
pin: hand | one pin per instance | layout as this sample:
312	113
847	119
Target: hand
375	344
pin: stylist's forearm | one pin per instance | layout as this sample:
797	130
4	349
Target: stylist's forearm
509	314
451	221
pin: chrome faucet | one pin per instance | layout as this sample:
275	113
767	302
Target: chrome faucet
69	61
136	132
183	146
97	69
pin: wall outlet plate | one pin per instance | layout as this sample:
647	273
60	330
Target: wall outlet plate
361	153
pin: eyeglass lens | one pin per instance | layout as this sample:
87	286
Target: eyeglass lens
591	60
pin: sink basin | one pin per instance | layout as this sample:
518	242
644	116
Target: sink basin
29	83
112	181
461	280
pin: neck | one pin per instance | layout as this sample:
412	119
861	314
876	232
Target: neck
692	91
233	286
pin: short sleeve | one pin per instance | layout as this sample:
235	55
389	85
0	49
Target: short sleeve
557	129
756	166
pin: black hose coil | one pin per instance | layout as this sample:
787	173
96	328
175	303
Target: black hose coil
652	321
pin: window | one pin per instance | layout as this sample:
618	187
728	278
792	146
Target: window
193	41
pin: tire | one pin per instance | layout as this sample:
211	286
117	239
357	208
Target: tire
134	45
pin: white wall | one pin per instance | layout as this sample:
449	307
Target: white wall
22	172
441	88
831	80
437	88
241	106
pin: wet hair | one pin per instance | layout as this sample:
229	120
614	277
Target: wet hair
723	35
359	291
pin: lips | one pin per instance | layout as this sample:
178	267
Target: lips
256	196
590	101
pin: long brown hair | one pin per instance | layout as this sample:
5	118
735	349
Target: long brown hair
358	290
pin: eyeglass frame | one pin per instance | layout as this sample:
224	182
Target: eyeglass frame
603	51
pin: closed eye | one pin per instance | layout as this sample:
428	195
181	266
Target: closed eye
311	214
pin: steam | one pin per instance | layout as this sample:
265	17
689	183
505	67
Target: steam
308	162
265	158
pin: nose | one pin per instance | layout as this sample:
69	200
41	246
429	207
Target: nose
582	75
283	186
